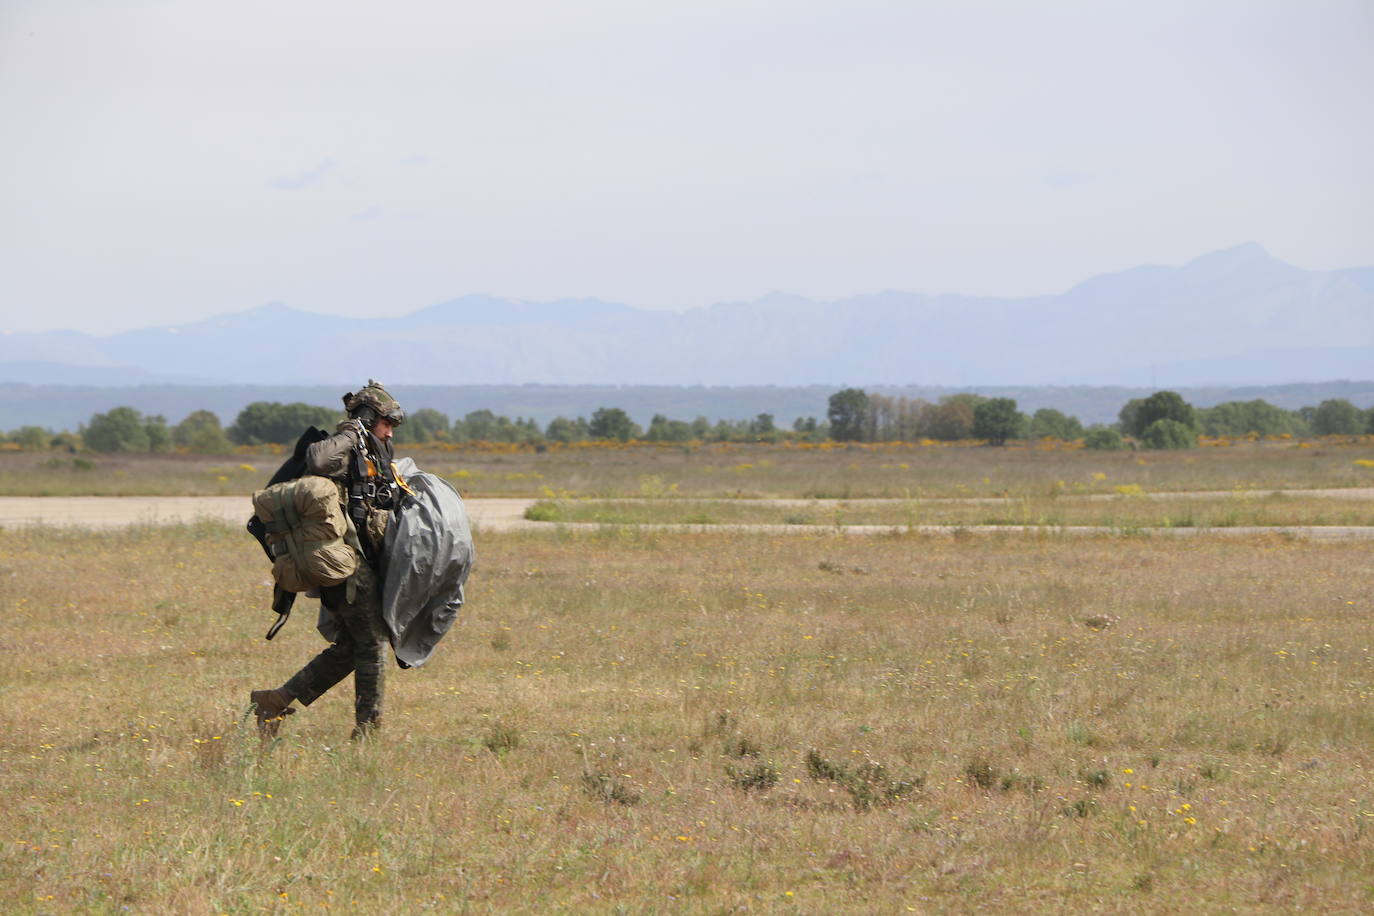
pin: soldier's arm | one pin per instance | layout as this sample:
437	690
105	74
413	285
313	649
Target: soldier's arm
329	457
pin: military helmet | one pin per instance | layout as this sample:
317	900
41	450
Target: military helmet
372	402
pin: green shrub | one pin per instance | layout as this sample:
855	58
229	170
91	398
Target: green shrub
1050	422
424	425
122	429
608	788
869	784
269	421
612	423
1103	439
501	739
31	438
1169	434
1337	417
545	510
849	415
758	778
200	432
998	420
1239	418
1140	414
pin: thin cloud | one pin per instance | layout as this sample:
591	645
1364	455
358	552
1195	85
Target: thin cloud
306	179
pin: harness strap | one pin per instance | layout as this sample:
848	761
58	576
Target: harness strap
306	546
281	622
281	603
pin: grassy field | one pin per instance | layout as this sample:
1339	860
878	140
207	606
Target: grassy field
632	721
1125	511
723	471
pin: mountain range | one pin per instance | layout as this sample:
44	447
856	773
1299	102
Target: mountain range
1235	317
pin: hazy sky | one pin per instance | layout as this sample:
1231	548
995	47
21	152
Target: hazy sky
166	160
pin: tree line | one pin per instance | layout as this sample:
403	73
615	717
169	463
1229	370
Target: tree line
1162	420
125	429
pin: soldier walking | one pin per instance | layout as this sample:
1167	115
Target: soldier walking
359	458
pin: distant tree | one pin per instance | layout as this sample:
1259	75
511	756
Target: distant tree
1051	423
1103	439
67	441
159	435
1337	417
528	431
200	432
883	420
1165	433
120	430
661	429
476	426
848	415
1162	405
722	431
952	418
701	428
271	422
658	425
1369	420
808	429
31	438
1126	419
896	419
423	426
762	429
1242	418
485	426
612	423
998	420
561	429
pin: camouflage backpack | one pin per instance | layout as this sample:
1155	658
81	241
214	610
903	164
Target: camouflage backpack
305	533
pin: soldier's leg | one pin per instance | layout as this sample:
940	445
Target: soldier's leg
363	618
324	670
334	663
307	685
360	649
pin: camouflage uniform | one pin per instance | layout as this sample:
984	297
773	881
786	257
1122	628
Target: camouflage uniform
361	642
360	647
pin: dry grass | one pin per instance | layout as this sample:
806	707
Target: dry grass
644	722
1124	512
839	472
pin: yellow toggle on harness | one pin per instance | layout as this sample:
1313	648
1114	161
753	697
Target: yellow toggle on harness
400	481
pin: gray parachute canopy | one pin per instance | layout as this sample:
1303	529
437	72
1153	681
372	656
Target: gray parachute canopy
428	557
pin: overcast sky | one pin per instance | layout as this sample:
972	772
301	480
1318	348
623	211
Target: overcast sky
167	160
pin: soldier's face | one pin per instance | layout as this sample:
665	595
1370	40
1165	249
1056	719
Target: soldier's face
381	428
